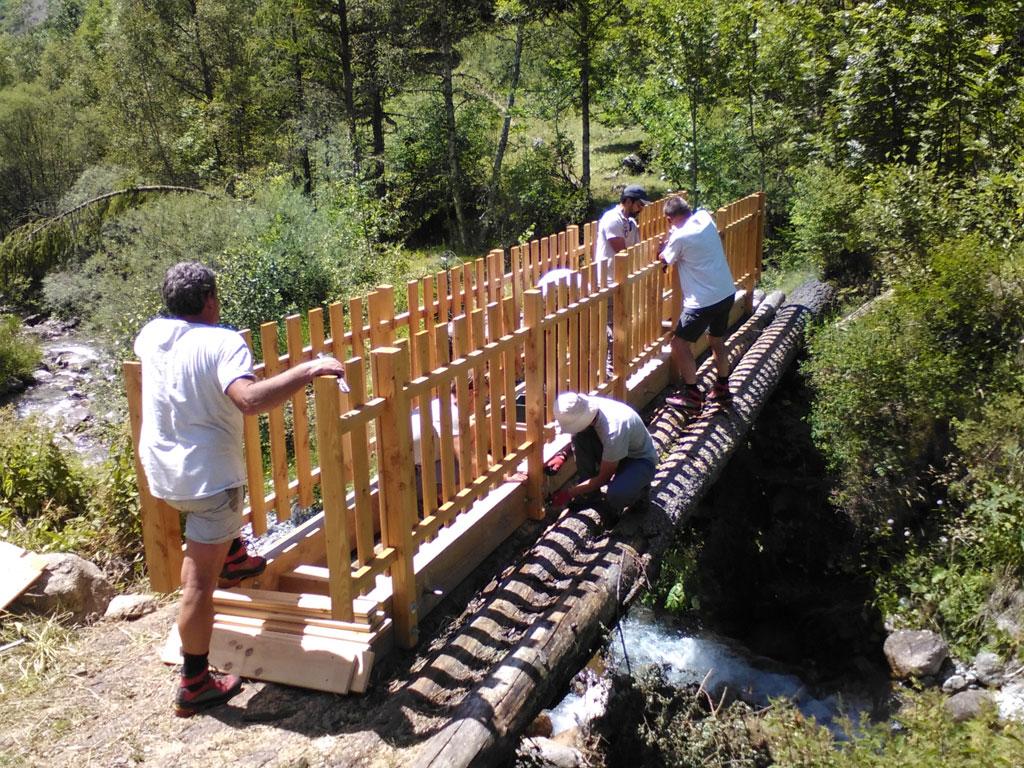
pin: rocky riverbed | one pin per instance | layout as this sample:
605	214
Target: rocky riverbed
72	390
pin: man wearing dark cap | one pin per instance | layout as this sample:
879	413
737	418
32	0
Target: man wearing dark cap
617	230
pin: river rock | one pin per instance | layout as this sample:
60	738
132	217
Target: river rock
633	163
915	653
546	753
71	584
1010	700
989	669
954	684
130	607
967	705
541	725
1010	615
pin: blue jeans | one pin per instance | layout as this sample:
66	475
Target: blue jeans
632	478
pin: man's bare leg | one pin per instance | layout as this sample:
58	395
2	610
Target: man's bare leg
685	364
720	355
199	573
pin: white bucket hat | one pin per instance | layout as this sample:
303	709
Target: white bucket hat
574	412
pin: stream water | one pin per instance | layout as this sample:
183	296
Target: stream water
687	656
63	394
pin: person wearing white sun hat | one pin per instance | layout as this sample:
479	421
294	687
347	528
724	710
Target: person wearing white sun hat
613	448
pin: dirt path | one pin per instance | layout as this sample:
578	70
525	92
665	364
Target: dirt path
108	702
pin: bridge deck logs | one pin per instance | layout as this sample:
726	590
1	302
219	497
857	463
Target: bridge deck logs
543	617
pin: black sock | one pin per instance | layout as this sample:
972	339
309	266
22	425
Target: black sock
723	380
195	664
236	544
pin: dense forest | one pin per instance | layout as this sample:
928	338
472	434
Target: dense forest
308	149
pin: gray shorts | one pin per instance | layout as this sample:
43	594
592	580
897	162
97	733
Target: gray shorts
213	519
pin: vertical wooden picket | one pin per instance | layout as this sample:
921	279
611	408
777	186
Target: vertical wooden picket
254	465
161	525
300	417
278	441
391	376
620	330
333	484
533	315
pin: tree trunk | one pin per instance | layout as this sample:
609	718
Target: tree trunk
300	111
207	75
348	81
694	195
499	153
584	51
454	168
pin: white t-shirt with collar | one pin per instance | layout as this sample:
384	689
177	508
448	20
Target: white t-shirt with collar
190	444
613	223
696	250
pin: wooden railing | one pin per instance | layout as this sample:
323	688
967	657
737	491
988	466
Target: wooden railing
481	347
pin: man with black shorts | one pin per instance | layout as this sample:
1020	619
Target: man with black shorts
694	247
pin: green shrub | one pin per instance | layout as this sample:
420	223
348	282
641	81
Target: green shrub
50	502
537	196
890	383
18	355
823	227
922	736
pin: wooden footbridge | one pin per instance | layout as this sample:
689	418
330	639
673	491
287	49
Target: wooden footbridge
475	356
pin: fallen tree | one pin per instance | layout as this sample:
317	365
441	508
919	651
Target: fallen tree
540	622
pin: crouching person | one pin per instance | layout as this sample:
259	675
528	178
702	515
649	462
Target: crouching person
613	448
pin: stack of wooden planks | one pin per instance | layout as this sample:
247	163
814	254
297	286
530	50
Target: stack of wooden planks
290	638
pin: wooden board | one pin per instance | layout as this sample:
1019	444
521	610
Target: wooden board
20	569
285	602
306	661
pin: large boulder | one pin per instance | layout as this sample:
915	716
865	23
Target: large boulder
967	705
69	584
915	653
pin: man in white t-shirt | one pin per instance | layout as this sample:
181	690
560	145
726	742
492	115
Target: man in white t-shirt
617	230
613	447
197	382
694	247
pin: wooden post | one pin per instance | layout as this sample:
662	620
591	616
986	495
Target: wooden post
395	467
333	484
161	525
572	236
496	275
315	319
336	317
254	465
355	321
300	417
359	461
444	400
465	403
412	293
278	444
533	315
382	316
620	329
